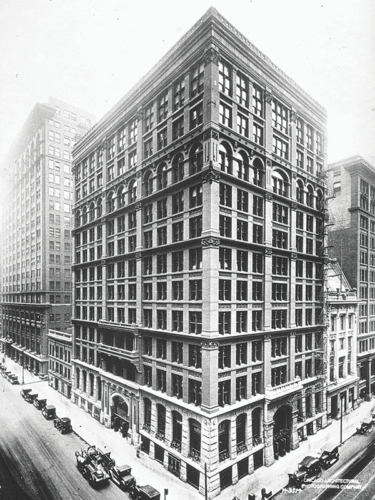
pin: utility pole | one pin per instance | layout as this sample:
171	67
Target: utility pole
341	403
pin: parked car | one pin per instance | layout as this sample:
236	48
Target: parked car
366	426
308	470
13	379
49	412
39	403
122	476
30	397
144	493
25	392
329	455
63	425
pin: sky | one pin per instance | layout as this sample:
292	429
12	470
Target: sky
91	52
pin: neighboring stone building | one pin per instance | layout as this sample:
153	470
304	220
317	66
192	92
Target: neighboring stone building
342	377
199	261
36	232
59	366
352	242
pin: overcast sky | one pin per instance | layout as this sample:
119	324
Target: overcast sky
90	52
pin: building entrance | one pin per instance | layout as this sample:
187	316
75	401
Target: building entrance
282	431
120	416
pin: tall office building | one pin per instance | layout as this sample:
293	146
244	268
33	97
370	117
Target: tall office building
352	242
199	261
36	232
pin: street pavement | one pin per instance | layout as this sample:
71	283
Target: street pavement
147	471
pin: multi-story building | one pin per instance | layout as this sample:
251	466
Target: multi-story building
36	232
198	261
59	365
352	242
341	352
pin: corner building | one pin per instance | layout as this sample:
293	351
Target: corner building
199	261
352	242
36	232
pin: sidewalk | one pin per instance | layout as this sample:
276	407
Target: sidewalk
274	478
147	471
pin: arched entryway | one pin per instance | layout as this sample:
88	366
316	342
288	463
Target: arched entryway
282	431
120	418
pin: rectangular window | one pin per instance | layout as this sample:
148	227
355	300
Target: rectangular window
258	100
225	115
280	147
242	90
280	117
242	125
196	116
225	78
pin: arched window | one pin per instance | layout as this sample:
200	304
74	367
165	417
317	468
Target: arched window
176	430
196	159
78	373
147	184
84	215
161	413
280	184
162	176
300	192
319	200
195	439
92	212
241	164
177	168
91	384
256	426
147	413
224	434
241	422
225	159
310	196
258	172
99	208
111	202
77	219
121	196
84	381
132	191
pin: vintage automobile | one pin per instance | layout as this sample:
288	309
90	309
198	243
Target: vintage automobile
89	467
144	493
366	426
121	475
104	459
63	425
39	403
13	379
31	397
329	454
49	412
25	392
308	470
6	373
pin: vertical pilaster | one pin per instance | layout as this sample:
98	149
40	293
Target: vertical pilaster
267	361
269	458
210	376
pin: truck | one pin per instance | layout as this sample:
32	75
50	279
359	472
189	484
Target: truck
49	412
90	467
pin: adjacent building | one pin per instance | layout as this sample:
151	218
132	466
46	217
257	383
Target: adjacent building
198	320
352	242
36	232
342	377
59	362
